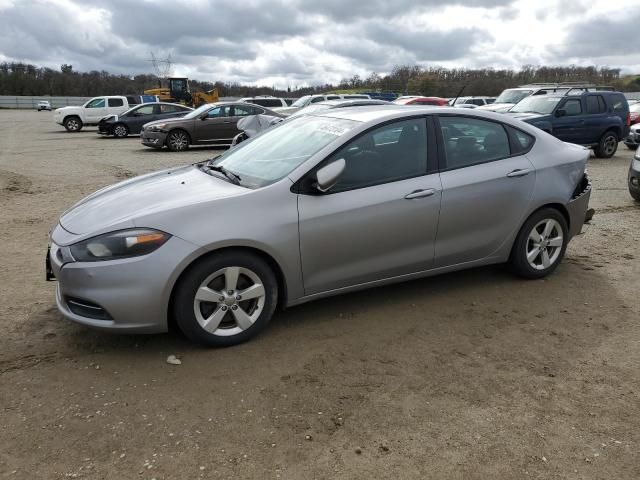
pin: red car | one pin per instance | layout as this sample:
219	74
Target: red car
634	113
416	100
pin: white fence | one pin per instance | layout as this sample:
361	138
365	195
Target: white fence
7	101
26	102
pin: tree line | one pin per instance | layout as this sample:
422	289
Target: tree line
18	78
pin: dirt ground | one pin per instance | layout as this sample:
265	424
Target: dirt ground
472	375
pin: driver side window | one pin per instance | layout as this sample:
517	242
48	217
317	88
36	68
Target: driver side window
96	103
393	152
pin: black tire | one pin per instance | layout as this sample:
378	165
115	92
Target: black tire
120	130
73	124
631	147
518	261
178	141
635	195
608	145
185	306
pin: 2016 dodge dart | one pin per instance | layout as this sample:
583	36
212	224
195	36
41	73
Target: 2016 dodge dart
318	205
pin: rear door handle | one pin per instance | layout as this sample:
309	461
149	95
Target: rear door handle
422	193
519	172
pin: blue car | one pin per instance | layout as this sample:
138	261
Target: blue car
596	119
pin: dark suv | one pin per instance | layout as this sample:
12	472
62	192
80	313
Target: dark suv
597	119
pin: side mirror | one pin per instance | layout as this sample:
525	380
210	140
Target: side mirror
328	175
561	113
203	116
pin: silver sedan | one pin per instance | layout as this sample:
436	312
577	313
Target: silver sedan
316	206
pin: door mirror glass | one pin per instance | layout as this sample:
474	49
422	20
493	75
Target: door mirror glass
561	113
204	116
328	175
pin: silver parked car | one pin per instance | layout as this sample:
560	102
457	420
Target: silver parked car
316	206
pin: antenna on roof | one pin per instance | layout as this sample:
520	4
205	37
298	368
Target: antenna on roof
458	95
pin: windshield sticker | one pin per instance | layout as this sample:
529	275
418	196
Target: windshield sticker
333	129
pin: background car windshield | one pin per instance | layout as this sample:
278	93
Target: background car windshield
635	107
544	105
276	153
513	96
301	102
197	111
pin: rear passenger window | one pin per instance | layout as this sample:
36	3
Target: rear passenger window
595	104
469	141
317	99
521	142
116	102
333	97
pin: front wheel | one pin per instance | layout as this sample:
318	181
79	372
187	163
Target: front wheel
225	299
177	141
73	124
607	145
540	245
120	130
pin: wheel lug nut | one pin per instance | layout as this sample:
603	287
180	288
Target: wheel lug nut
235	307
221	299
224	308
230	292
238	297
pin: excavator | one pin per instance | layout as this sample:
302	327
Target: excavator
178	91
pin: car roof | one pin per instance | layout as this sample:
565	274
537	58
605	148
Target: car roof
353	101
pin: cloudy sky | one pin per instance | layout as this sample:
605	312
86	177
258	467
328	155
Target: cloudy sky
302	42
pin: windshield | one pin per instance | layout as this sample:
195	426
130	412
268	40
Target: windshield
195	113
318	107
543	104
301	102
513	96
277	152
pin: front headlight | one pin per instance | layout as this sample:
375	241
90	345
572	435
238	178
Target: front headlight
115	245
157	128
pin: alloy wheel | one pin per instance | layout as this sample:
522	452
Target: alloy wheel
544	244
120	131
229	301
73	124
610	144
178	141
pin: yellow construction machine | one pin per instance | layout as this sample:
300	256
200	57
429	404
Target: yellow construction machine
178	91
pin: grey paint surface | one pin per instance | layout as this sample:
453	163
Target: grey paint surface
322	244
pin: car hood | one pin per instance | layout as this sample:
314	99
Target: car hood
529	117
167	120
165	190
497	107
68	109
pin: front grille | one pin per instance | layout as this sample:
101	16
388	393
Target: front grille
87	309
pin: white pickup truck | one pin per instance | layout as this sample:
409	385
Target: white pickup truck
74	118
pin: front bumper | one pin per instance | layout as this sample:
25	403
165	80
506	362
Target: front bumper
105	129
128	295
633	139
153	139
578	206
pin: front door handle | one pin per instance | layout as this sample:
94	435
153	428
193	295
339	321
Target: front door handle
519	172
226	121
422	193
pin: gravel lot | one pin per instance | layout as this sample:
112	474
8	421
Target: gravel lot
472	375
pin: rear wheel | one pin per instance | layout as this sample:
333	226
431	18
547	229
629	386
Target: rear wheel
540	245
635	195
225	299
607	145
631	147
120	130
178	141
73	124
